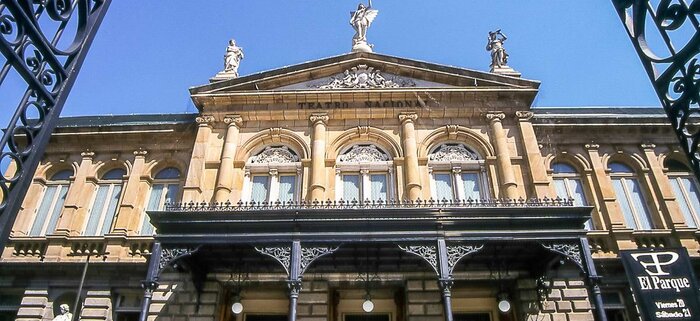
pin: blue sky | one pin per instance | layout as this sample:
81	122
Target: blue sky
148	53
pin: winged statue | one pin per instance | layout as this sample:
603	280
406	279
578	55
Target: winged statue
360	20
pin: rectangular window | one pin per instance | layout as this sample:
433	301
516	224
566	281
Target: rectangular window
378	187
572	188
624	203
10	301
688	198
127	306
614	306
288	185
351	188
443	186
49	210
104	208
471	186
634	209
640	207
261	188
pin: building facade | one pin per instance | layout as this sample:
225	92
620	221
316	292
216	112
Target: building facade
431	192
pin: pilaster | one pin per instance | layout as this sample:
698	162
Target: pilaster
661	186
130	208
611	210
318	155
542	186
410	147
224	181
195	173
78	199
508	184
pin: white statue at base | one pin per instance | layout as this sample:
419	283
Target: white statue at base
65	313
360	20
232	58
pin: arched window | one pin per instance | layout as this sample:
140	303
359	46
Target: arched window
165	190
272	175
458	173
685	188
105	203
630	197
567	183
49	209
363	173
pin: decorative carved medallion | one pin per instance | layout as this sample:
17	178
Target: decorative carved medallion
309	254
452	153
275	154
571	251
282	254
457	252
363	154
364	76
426	252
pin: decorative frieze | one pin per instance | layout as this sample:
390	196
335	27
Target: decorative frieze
363	154
364	77
571	251
452	153
309	254
426	252
275	154
282	254
458	252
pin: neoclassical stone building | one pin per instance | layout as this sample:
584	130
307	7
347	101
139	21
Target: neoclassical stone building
309	191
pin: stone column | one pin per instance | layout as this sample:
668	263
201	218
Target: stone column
662	187
410	150
318	157
224	181
538	172
130	209
608	198
77	199
505	168
195	173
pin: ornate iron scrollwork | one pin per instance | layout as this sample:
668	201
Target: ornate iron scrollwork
170	255
674	69
309	254
48	65
571	251
457	252
426	252
282	254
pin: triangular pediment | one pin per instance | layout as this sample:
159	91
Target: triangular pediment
362	71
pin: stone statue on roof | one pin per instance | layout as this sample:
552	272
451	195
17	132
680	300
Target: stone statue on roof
499	56
360	20
232	58
65	313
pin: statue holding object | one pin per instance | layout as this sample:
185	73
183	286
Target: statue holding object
361	20
499	56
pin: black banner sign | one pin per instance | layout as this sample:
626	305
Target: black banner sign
663	283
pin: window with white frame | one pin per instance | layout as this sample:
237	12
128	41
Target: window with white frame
457	173
364	173
568	185
105	203
49	208
630	197
272	176
164	190
685	188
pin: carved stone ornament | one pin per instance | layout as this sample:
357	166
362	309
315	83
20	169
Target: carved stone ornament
426	252
494	117
458	252
364	76
309	254
408	117
233	120
314	118
282	254
571	251
524	115
363	154
452	153
204	119
275	154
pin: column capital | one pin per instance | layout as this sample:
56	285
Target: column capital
204	120
319	117
524	115
87	154
495	116
233	120
648	146
591	146
404	117
140	152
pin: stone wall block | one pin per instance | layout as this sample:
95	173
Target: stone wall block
303	309
307	318
416	309
574	294
423	297
426	318
564	306
582	305
318	297
321	286
414	285
559	284
559	317
526	284
433	309
207	309
575	283
554	295
319	309
548	306
431	285
208	298
580	317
